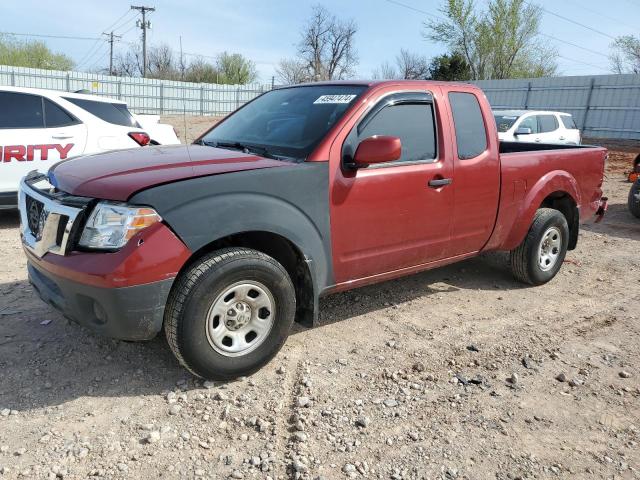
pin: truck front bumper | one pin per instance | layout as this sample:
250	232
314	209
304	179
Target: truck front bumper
126	313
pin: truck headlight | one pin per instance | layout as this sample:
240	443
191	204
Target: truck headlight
111	225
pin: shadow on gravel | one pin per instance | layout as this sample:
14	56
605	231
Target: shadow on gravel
46	361
488	272
9	219
618	222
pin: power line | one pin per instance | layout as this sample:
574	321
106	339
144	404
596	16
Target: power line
38	35
578	5
567	19
584	63
574	45
428	14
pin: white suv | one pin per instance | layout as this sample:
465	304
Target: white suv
536	126
41	127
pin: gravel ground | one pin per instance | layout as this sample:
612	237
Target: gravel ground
455	373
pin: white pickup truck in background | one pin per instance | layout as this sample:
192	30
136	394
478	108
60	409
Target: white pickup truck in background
41	127
536	126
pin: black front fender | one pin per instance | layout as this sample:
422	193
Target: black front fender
291	201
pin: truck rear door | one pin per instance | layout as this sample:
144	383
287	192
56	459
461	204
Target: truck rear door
477	173
393	215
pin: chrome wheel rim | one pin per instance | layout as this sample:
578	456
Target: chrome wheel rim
240	318
549	249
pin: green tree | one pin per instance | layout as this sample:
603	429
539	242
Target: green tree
31	53
500	42
235	69
451	67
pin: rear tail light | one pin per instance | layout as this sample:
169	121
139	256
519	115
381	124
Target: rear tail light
141	138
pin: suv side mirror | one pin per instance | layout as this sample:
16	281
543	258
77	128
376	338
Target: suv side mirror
377	149
523	131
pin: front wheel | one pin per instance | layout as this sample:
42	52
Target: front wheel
634	199
230	313
540	255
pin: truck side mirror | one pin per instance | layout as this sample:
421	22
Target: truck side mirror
377	149
523	131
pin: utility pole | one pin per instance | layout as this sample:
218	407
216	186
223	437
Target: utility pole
111	39
144	25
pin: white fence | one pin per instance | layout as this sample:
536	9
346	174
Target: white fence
143	95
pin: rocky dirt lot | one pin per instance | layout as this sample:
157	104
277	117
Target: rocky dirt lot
457	373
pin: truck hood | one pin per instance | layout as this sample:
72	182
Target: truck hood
119	174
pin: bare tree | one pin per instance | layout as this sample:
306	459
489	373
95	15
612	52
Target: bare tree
412	66
408	66
326	49
161	63
129	63
291	72
625	57
386	71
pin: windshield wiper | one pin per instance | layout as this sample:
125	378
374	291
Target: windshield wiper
255	149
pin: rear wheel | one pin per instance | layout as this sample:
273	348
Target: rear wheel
634	199
230	313
540	255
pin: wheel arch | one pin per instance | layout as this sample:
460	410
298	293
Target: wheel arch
558	190
283	250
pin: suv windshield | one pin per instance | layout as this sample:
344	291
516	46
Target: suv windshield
505	122
288	122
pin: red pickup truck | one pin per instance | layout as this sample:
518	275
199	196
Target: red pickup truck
305	191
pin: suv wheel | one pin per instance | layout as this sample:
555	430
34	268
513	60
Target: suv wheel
540	255
230	313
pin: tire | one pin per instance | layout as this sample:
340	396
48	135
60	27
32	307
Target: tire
230	299
529	263
634	199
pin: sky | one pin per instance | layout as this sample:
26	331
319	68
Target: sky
268	30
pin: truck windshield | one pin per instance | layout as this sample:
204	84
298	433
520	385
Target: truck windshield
505	122
285	123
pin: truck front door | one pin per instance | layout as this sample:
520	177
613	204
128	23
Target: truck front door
394	215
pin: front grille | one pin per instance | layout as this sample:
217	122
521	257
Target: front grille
34	215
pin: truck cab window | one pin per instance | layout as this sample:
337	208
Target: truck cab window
471	135
413	123
20	110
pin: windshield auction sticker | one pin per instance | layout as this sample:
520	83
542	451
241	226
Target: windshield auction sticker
335	99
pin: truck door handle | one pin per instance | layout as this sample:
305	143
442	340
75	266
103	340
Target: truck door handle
440	182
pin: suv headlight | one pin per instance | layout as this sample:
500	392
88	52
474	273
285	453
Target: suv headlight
111	225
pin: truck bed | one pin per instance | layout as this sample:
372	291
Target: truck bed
514	147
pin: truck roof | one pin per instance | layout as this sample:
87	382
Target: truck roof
60	94
372	83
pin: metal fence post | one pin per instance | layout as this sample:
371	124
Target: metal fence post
588	106
13	78
162	99
238	97
119	90
201	101
68	83
526	98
